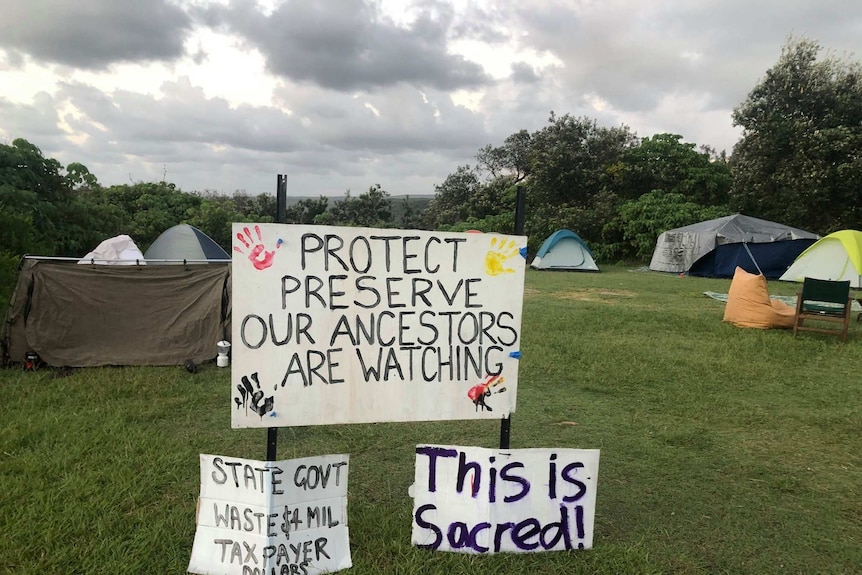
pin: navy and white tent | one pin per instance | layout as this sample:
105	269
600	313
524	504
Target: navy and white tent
564	250
714	248
185	242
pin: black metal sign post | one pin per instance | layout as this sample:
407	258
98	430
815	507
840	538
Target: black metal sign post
281	218
520	217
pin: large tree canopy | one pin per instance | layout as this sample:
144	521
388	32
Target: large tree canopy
664	162
579	175
799	160
451	203
371	209
39	207
570	158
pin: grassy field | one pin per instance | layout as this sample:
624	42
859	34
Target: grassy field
723	450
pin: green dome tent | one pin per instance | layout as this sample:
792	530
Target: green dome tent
836	257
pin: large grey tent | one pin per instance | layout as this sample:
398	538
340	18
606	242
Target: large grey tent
714	248
185	242
82	315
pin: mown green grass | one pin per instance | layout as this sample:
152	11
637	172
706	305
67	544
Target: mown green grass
724	450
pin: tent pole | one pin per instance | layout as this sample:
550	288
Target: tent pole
281	218
520	217
751	255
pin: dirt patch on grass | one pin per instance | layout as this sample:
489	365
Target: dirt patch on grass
531	291
597	295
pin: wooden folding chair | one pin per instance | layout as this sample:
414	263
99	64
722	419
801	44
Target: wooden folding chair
823	301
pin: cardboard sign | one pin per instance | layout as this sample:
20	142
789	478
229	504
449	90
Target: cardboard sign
475	500
350	325
271	517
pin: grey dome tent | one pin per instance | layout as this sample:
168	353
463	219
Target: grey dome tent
714	248
564	250
185	242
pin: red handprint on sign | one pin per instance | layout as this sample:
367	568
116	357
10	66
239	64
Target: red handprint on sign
478	393
259	257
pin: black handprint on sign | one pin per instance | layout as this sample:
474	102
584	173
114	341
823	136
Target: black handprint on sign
252	397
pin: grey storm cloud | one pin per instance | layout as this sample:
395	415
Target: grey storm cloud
183	115
92	34
348	45
633	58
326	137
127	137
391	121
523	73
36	120
324	121
354	94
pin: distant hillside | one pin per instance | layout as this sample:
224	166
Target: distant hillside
399	203
419	199
416	203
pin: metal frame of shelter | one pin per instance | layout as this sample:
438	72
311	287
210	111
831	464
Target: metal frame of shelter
137	261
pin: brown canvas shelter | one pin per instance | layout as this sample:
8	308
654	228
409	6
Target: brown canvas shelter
83	315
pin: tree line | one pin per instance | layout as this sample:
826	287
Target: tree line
798	162
49	210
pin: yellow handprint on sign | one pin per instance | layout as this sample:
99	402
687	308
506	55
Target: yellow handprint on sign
497	256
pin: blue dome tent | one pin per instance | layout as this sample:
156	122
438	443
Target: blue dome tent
564	250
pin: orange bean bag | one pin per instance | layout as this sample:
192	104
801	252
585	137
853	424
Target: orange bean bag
748	304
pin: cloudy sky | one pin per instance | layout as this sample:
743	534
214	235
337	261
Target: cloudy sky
341	94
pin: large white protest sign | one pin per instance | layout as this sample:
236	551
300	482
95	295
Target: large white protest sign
349	325
271	517
476	500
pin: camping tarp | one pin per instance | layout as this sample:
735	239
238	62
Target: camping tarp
117	251
836	257
91	315
715	248
564	250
